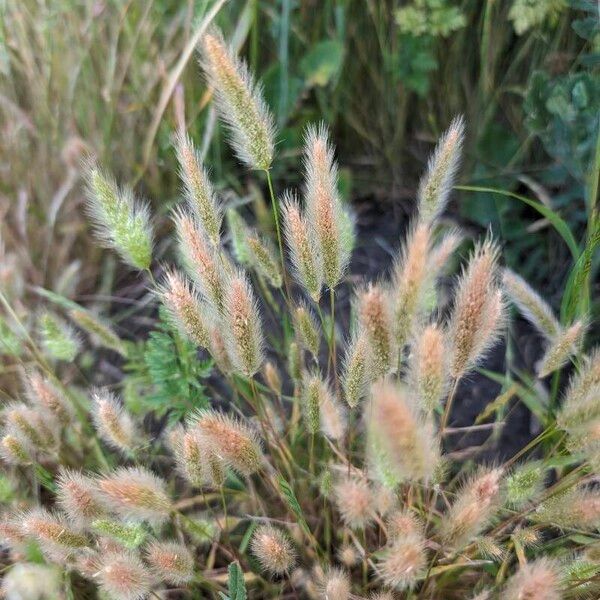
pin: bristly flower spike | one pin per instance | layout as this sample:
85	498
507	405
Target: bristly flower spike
404	562
429	366
230	440
307	329
123	576
243	335
100	332
78	496
198	189
273	549
479	310
356	376
189	312
240	103
37	428
563	347
121	221
537	580
336	585
355	501
113	423
264	260
171	561
533	307
436	185
206	266
43	393
52	532
15	450
136	493
302	244
58	338
332	225
375	321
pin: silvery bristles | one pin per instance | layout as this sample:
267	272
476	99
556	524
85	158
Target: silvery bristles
333	226
189	312
531	304
376	325
198	190
401	439
332	415
79	498
123	576
429	366
562	348
356	375
205	264
313	390
474	507
136	493
410	281
239	101
537	580
335	585
355	502
122	222
243	329
479	310
15	450
572	508
307	330
264	259
273	549
113	423
171	561
239	231
404	562
35	429
43	393
301	239
232	441
58	338
436	185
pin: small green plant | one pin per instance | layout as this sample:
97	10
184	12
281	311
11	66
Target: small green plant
328	469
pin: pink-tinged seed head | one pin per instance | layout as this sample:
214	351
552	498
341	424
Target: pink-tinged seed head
354	499
78	496
124	577
135	492
113	423
171	561
273	549
537	580
404	563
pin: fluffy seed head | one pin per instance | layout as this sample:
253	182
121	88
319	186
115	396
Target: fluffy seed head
575	508
264	259
58	338
78	496
444	249
304	251
202	262
349	555
185	307
11	531
533	307
410	281
52	532
429	366
400	437
273	549
218	350
195	458
113	423
336	585
354	499
537	580
123	576
43	393
15	450
524	483
474	507
244	336
230	440
404	563
402	523
313	390
240	103
198	190
36	429
478	311
563	346
171	561
332	225
332	415
307	329
355	379
375	320
436	185
136	493
121	221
